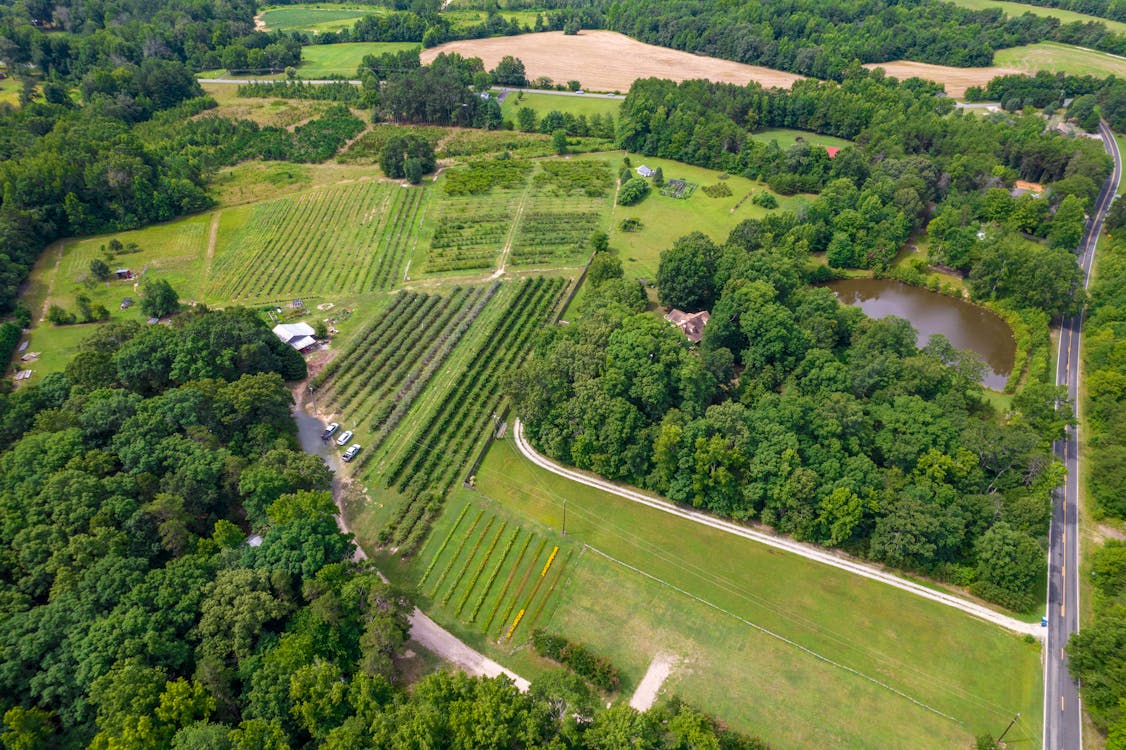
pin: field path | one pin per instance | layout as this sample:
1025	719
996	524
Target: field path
51	284
507	249
804	550
212	238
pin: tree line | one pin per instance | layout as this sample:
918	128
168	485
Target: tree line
1090	97
1097	654
174	577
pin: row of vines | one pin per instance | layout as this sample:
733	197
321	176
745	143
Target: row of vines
433	454
344	239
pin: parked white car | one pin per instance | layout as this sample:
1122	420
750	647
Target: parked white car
343	439
351	452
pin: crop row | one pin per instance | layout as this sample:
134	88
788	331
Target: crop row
435	454
465	566
438	446
445	543
317	241
393	246
573	177
397	351
365	336
432	360
482	176
372	339
508	582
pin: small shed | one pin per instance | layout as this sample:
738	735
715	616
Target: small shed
123	274
644	171
298	335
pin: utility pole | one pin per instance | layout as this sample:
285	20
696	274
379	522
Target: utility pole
564	516
1014	721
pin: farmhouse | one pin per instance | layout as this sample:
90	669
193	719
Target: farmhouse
691	324
297	335
644	171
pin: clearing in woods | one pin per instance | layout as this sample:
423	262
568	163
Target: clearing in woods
607	60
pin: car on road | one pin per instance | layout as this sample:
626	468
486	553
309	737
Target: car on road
351	452
330	431
343	439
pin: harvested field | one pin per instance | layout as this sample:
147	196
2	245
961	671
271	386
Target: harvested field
607	60
956	80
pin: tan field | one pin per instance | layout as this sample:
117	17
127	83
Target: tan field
607	60
956	80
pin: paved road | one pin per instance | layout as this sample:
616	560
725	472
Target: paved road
809	551
268	80
1063	718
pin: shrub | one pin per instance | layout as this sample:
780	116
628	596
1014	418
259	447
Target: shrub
765	199
634	191
584	662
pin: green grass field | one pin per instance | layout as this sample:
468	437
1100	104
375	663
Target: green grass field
787	137
316	18
544	103
710	592
664	219
1060	58
319	60
1018	9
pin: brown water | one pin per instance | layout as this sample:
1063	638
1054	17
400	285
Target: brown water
967	326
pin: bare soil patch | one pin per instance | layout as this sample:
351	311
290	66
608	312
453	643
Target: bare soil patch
646	694
607	60
956	80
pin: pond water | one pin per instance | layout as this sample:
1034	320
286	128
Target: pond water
966	326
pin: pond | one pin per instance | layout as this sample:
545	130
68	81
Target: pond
966	326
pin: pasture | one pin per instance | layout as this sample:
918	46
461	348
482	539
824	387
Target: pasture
1014	10
565	103
709	597
322	60
314	18
607	60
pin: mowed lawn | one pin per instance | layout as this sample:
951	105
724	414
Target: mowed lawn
664	219
1018	9
883	668
575	105
787	137
320	60
1060	58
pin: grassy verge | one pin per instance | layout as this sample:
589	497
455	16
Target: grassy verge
971	671
316	18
